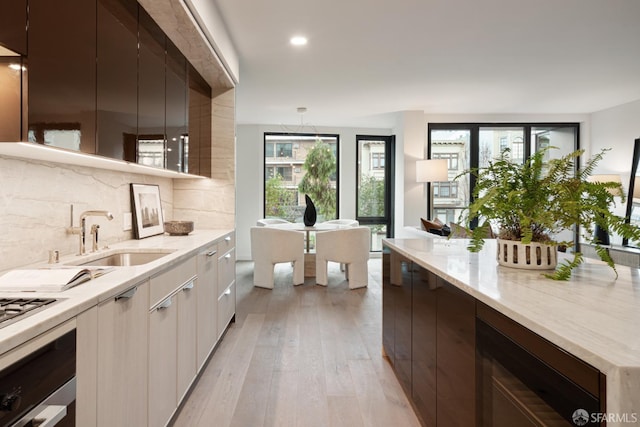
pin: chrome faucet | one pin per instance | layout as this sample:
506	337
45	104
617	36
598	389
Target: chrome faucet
82	230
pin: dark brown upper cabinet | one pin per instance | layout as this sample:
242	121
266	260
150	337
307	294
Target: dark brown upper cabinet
117	90
200	150
151	142
101	77
13	26
62	74
176	110
12	75
13	50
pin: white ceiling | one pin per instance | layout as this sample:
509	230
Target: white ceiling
368	58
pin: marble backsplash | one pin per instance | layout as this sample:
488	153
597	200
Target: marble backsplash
36	199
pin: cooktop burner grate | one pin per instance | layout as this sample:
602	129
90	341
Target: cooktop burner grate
11	308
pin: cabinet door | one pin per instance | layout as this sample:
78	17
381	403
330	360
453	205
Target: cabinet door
150	147
11	98
176	108
13	36
87	367
163	333
122	358
117	76
455	356
423	359
207	309
199	124
13	26
226	308
388	311
402	291
187	311
62	73
226	289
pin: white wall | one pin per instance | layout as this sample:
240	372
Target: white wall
250	174
616	128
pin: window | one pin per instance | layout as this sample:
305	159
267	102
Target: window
445	189
472	145
289	175
374	183
281	150
285	172
452	159
377	160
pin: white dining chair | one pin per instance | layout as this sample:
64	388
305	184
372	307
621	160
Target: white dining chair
348	246
265	222
342	223
271	246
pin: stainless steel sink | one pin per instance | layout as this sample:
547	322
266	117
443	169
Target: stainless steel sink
123	258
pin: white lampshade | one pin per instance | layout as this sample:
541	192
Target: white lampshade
607	178
432	170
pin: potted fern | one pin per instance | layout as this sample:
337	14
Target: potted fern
531	203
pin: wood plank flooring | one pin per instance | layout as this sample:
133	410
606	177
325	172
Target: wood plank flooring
300	356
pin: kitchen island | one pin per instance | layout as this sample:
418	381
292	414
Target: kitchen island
593	317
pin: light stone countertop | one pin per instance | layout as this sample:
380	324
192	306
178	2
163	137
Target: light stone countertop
86	295
592	316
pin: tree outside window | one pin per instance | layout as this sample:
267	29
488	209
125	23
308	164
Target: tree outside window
299	164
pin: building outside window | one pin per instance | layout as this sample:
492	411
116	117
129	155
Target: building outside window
285	155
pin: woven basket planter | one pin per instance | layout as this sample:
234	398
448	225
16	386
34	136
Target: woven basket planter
533	256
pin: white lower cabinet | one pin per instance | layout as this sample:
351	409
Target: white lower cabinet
122	358
207	304
141	350
163	335
187	315
226	289
172	343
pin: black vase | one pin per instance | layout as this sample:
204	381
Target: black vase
310	215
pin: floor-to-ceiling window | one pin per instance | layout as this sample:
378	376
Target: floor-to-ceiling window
299	164
472	145
374	185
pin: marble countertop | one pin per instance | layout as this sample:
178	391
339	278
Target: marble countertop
594	316
86	295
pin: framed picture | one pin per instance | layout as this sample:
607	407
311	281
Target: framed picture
147	210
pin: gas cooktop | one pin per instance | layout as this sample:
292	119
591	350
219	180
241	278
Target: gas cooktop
13	309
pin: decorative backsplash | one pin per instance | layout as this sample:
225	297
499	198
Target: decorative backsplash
35	201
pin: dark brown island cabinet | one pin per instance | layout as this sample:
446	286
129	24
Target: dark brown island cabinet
463	363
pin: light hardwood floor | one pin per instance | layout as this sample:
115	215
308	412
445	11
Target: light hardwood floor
301	356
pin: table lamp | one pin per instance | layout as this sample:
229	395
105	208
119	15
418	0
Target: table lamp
431	170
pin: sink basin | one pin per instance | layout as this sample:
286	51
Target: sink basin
123	258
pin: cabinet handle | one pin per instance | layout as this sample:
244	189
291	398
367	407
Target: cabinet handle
227	256
212	253
164	304
227	292
127	294
227	239
188	286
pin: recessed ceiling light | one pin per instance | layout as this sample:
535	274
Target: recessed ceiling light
298	40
